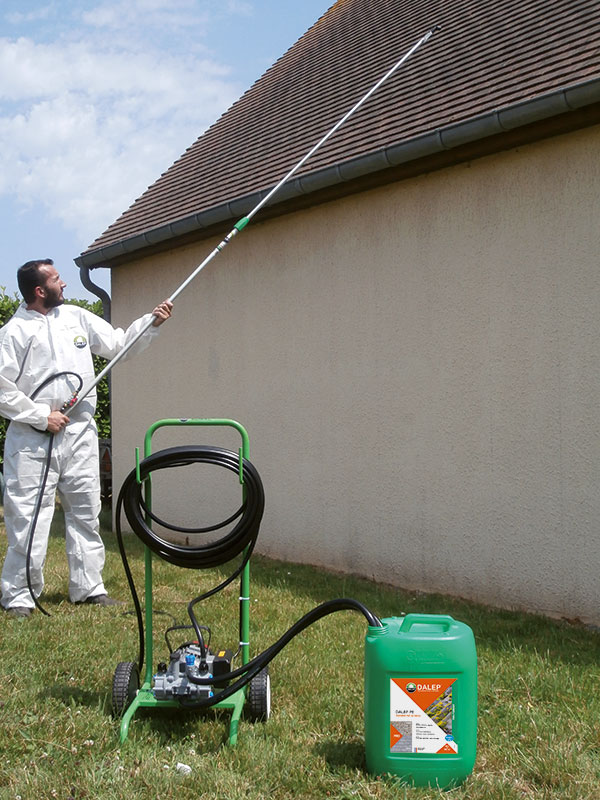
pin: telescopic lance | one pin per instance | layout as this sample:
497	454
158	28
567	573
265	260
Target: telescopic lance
241	224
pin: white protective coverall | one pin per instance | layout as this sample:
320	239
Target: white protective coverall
34	346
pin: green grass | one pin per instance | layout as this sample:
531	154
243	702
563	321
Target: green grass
539	704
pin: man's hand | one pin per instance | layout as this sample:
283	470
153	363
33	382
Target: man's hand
57	421
162	312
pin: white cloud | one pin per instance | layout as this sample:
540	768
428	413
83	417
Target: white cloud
34	15
166	14
240	7
87	121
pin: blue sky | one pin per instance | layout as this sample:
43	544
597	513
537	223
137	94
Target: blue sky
98	98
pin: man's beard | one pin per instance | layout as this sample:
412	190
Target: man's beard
53	299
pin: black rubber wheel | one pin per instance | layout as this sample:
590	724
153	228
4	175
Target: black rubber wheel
259	696
126	683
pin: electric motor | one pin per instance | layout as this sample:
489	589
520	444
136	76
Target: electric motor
172	682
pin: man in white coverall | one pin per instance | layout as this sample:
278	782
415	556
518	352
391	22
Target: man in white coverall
45	337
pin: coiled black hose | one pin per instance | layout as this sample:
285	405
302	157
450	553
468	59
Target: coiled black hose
241	539
204	556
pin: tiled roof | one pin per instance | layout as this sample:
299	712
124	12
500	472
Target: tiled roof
488	55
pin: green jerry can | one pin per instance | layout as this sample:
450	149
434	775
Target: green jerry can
421	700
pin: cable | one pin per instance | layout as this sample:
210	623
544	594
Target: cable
186	644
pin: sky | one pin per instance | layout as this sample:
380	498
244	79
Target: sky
98	98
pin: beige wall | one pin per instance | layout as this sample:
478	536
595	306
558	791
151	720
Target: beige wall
418	370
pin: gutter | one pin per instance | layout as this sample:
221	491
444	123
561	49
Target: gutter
84	276
447	138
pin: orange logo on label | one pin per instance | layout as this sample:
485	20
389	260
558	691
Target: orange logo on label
447	749
423	693
395	736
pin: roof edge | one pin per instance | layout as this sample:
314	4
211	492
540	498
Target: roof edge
449	137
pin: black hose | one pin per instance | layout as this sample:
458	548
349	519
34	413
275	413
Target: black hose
32	526
241	539
213	554
130	581
42	489
252	668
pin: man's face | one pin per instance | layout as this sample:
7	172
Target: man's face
53	287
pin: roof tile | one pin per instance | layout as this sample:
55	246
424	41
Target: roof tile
486	57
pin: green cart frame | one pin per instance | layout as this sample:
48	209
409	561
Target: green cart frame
144	698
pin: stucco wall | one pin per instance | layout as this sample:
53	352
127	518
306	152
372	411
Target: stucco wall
418	370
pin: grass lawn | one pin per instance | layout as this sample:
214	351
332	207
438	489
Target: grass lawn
539	698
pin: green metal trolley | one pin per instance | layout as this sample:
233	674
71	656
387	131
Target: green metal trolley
128	694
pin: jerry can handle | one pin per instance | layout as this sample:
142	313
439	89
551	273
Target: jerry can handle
443	620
